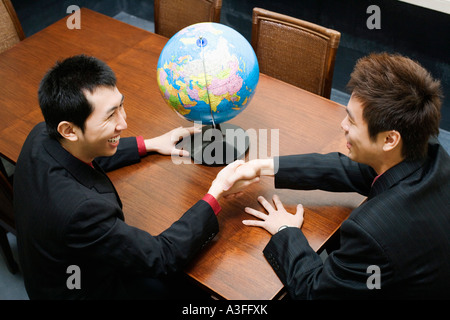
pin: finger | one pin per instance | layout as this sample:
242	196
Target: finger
236	163
277	202
197	130
233	195
246	183
300	209
256	213
191	130
230	181
229	196
265	204
231	167
253	223
181	132
181	153
239	194
229	171
233	177
254	180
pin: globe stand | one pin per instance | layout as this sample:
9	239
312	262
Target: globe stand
218	146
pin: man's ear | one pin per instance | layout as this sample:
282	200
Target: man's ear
392	140
68	130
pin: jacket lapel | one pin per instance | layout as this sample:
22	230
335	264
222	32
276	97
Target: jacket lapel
82	172
393	176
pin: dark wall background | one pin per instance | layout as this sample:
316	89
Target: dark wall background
419	33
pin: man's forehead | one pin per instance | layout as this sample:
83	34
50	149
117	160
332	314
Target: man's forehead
104	96
99	90
354	106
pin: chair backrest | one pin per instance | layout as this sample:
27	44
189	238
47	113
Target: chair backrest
11	31
173	15
295	51
6	204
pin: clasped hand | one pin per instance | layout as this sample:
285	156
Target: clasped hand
166	144
232	179
240	174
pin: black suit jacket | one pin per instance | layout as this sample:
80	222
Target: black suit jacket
68	213
400	236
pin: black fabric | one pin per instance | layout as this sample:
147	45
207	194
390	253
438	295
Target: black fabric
402	229
68	213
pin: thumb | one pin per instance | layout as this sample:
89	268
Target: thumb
229	182
300	209
231	178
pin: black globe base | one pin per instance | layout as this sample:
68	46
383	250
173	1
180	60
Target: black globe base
218	146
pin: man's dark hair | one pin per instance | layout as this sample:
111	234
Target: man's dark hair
397	93
61	91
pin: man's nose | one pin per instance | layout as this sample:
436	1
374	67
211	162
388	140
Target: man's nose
344	125
122	124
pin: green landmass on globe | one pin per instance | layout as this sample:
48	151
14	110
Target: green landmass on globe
207	73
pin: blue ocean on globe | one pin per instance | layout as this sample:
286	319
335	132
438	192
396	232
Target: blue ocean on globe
208	73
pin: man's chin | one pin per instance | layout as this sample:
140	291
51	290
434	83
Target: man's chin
350	155
110	151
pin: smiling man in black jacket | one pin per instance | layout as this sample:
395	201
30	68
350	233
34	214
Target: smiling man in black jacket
397	243
68	214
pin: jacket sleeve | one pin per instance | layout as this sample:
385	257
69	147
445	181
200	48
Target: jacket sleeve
127	153
345	274
329	172
95	233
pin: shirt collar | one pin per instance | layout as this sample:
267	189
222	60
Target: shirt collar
394	175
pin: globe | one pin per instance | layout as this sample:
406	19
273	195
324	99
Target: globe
207	73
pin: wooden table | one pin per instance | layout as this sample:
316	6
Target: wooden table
156	192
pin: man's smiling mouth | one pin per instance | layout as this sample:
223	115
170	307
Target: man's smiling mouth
114	139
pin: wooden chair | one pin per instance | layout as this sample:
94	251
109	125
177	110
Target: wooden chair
11	31
173	15
7	219
295	51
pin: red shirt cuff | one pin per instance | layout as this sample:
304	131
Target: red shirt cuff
141	146
213	203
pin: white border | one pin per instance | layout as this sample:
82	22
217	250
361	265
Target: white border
437	5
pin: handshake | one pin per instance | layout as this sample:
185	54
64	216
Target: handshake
238	175
233	179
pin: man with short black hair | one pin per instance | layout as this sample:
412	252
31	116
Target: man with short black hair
68	212
396	244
